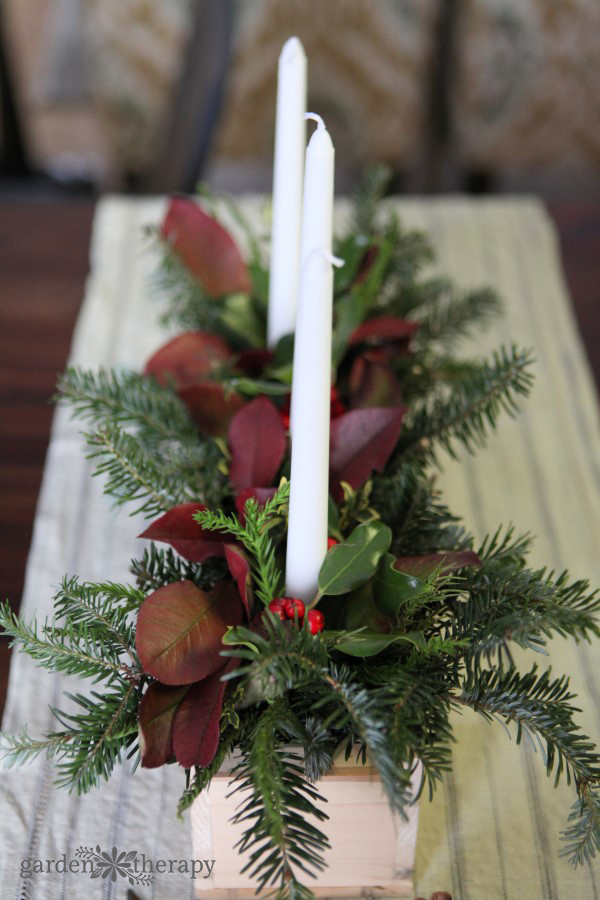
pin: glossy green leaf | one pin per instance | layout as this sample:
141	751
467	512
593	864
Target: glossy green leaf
370	643
393	589
355	560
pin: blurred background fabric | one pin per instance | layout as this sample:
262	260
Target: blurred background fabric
494	94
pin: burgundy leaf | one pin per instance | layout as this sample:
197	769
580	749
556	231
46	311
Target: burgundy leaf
157	712
188	358
383	328
210	407
178	528
205	248
372	381
253	362
196	726
261	495
180	628
257	443
361	442
448	560
239	568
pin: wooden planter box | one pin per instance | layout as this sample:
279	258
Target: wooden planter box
372	850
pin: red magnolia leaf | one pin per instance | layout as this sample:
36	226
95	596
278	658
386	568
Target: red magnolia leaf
157	712
210	407
260	494
257	443
383	328
206	248
180	627
196	726
187	358
372	381
178	528
449	560
361	441
239	568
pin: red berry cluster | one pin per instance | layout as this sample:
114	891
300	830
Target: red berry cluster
290	607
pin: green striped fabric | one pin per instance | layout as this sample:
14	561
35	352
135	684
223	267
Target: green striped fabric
493	830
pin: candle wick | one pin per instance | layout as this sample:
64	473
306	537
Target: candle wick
325	254
316	118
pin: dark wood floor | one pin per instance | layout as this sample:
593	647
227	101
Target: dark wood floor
43	265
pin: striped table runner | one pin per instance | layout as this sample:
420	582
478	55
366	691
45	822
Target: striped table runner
492	830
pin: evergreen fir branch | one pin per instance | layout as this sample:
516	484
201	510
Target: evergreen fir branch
503	547
508	603
97	736
160	567
189	306
542	711
453	315
128	398
98	606
370	192
408	502
133	475
254	535
73	650
541	708
92	741
582	836
277	808
470	411
16	750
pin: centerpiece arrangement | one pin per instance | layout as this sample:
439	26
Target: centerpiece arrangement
316	596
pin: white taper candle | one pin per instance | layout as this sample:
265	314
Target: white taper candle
309	479
288	171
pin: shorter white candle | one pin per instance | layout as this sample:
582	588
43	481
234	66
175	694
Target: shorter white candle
309	479
288	175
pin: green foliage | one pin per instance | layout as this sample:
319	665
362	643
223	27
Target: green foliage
157	568
354	561
470	411
127	398
254	534
93	638
399	653
277	805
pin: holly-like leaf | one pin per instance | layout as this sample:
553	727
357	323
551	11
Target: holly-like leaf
257	443
370	643
383	328
361	442
260	494
196	726
205	248
393	589
239	567
178	528
210	406
180	628
446	562
355	560
188	358
157	712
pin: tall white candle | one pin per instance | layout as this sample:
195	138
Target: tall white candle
317	215
309	479
290	136
317	207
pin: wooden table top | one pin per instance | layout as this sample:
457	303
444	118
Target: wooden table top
43	264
